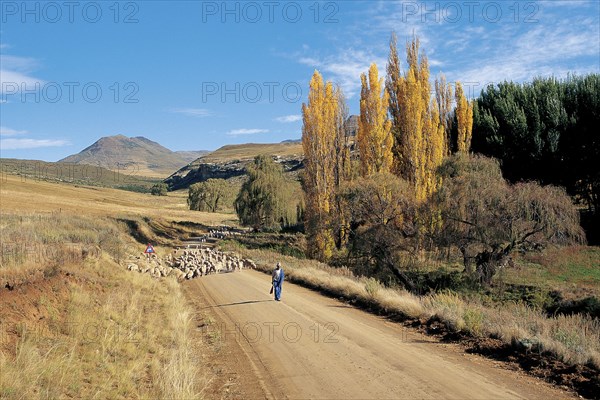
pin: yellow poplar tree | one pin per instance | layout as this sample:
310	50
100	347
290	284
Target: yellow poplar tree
342	168
374	135
443	98
320	135
464	120
393	85
418	130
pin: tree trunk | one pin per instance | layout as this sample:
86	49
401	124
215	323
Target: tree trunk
402	277
488	263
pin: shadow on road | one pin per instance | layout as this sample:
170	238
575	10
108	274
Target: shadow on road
237	304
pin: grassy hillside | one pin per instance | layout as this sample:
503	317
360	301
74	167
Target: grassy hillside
250	150
127	178
48	197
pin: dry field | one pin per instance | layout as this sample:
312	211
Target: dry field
73	322
18	195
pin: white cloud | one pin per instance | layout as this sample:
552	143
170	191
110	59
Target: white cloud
16	144
244	131
193	112
15	73
24	64
4	131
546	42
345	67
289	118
545	50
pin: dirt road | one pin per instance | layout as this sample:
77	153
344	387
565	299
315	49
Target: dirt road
311	346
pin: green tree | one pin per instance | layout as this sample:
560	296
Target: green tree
545	130
208	195
160	189
266	200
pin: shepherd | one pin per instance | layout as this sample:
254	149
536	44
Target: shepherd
277	281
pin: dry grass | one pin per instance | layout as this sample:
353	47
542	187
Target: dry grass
108	334
574	339
79	325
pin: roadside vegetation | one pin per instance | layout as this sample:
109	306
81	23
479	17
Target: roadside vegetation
574	339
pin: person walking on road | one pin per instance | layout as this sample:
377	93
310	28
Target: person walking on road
277	281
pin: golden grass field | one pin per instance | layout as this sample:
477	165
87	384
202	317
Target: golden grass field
30	195
74	323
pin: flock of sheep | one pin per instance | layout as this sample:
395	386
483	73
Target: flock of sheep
189	263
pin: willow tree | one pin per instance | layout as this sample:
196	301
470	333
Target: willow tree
464	120
208	195
489	219
326	164
265	200
416	125
374	135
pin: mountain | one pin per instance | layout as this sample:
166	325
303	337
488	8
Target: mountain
190	156
136	156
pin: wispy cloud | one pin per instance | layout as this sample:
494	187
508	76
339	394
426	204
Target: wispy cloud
245	131
544	50
15	72
17	144
5	131
345	67
25	143
193	112
289	118
541	40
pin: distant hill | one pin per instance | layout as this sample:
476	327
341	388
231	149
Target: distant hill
351	125
230	161
248	151
78	174
137	155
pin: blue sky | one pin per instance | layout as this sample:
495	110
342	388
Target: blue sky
196	75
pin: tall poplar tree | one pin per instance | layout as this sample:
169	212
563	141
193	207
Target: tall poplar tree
325	164
464	120
374	128
443	98
418	131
